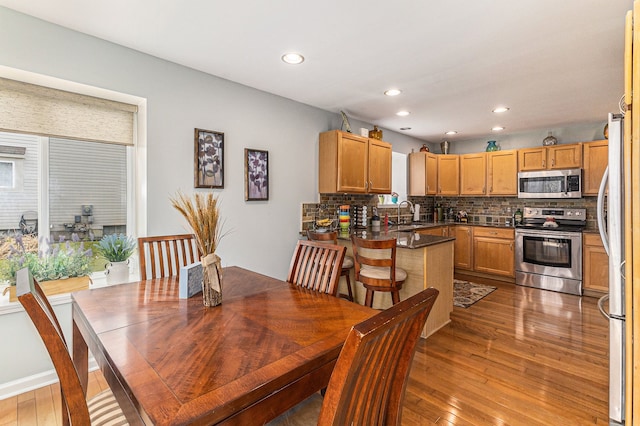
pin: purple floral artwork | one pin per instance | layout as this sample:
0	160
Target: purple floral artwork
257	175
209	159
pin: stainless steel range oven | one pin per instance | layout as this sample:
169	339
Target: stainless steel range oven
549	249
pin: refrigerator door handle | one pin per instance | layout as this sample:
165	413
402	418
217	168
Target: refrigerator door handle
600	211
601	303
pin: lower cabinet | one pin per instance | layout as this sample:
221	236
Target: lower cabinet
493	251
440	231
595	264
462	246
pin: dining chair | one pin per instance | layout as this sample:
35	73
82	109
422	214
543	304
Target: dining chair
368	383
316	266
376	269
162	256
347	264
101	409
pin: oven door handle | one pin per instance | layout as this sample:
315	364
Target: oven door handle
600	211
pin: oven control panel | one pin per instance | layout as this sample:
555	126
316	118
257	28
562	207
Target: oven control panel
555	213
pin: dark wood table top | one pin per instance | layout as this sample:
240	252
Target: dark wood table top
181	363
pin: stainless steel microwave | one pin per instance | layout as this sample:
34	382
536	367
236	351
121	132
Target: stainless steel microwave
550	184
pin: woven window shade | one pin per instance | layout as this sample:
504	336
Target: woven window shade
28	108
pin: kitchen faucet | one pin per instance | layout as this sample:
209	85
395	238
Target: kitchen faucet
400	205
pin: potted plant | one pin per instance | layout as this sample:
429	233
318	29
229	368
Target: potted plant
62	268
116	249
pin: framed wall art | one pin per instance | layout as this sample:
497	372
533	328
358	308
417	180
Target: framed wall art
209	159
256	175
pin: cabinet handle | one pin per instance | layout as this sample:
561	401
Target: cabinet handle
553	162
511	246
366	185
544	164
370	184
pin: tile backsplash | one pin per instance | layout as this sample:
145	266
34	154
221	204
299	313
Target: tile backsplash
480	210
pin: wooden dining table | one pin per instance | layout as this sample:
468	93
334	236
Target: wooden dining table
170	361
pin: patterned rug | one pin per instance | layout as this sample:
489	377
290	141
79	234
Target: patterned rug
466	293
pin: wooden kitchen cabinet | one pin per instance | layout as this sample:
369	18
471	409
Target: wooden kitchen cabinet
595	264
493	251
353	164
473	174
439	231
423	173
502	173
595	156
448	174
462	246
550	157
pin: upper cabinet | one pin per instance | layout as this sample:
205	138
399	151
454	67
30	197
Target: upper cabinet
423	173
489	173
353	164
502	172
550	157
473	174
595	155
448	174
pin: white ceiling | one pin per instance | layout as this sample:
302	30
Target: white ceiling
553	62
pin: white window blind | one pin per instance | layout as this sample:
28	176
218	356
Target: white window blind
29	108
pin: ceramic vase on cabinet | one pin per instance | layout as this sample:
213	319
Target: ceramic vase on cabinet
491	146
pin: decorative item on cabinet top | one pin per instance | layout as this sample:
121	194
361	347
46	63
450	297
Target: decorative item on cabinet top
444	147
375	133
491	146
549	140
424	148
345	122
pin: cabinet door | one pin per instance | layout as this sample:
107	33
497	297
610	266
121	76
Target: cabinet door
564	156
532	159
417	173
448	174
432	174
595	263
352	163
439	231
462	246
595	156
493	256
473	174
502	173
379	167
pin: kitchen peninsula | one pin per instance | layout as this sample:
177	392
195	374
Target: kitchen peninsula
428	260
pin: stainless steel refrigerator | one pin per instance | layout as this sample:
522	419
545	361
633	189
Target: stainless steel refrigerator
611	216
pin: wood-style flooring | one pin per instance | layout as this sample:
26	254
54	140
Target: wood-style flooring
520	356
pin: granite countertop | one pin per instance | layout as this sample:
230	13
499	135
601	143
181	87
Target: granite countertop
405	239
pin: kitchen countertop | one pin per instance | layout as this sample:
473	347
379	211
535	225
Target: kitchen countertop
405	239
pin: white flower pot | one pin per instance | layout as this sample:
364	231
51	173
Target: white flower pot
117	272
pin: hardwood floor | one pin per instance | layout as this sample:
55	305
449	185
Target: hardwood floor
520	356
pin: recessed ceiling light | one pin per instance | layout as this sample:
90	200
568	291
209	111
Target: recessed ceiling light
497	128
392	92
451	132
293	58
403	113
500	109
405	128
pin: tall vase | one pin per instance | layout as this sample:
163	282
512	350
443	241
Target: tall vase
211	280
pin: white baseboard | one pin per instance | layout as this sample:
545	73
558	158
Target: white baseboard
36	381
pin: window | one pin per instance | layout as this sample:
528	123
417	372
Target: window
7	174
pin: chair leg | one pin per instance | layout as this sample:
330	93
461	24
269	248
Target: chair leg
395	296
368	301
349	297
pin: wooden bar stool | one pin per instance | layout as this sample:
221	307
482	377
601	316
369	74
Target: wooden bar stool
378	273
347	264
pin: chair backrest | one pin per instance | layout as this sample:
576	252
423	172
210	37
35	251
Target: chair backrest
32	298
317	266
384	257
368	382
164	255
323	236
